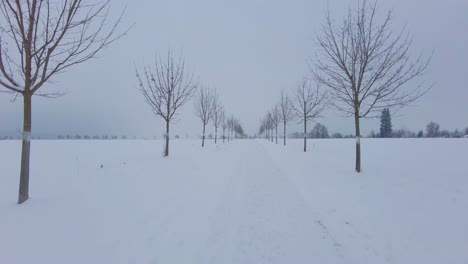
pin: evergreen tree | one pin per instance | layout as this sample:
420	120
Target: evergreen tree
385	124
319	131
433	130
420	134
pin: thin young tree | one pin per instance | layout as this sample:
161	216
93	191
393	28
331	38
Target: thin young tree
222	116
42	38
229	125
217	108
204	108
235	126
309	104
269	125
275	118
286	113
365	65
166	87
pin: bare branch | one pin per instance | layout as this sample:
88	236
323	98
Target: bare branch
41	38
365	66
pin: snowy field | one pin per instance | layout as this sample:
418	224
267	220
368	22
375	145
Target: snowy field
247	201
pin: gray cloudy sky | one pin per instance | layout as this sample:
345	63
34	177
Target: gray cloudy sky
249	50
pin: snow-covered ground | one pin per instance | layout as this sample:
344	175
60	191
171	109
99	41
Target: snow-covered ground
247	201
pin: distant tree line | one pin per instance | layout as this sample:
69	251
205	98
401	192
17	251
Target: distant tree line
432	130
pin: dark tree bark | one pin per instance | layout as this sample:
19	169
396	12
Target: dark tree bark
166	148
284	133
305	134
25	150
276	133
358	142
203	137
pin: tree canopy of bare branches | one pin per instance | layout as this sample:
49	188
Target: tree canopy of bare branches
286	112
309	104
42	38
366	65
205	107
166	87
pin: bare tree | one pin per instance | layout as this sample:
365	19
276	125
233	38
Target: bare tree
309	104
166	88
224	125
365	66
217	109
231	122
238	129
286	113
269	126
204	108
40	39
235	127
275	118
229	125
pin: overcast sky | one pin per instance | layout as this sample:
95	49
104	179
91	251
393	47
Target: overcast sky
249	50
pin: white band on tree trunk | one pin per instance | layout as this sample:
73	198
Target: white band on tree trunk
26	136
358	140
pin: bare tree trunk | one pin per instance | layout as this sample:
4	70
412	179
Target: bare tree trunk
358	141
25	150
305	135
216	133
284	133
203	137
276	133
166	150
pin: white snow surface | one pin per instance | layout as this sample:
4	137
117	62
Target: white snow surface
246	201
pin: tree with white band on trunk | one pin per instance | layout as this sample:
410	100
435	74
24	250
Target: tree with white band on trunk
365	66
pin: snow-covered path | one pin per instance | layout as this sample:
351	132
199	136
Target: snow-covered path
247	201
263	219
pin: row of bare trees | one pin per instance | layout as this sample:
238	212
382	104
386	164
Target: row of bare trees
208	107
364	65
167	86
306	105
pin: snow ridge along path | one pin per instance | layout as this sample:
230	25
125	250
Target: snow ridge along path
247	201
